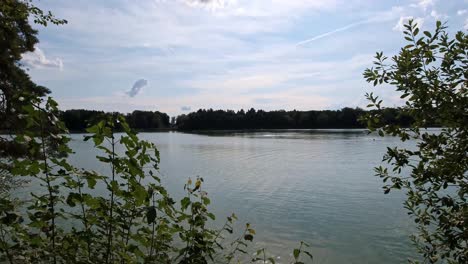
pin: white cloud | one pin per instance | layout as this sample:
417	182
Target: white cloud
462	12
466	24
438	16
136	88
404	20
185	108
268	8
424	4
210	4
37	59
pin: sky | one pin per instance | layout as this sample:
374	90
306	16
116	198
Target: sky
178	56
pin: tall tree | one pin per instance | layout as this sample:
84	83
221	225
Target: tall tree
17	91
430	73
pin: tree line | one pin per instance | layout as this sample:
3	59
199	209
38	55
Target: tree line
78	120
208	119
281	119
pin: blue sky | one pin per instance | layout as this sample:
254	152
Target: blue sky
177	56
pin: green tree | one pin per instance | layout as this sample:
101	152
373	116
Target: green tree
17	37
430	73
17	91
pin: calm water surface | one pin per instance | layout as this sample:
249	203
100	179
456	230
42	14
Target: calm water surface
314	185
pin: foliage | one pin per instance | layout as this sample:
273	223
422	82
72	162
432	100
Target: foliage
252	119
123	216
146	120
79	119
431	75
17	92
74	215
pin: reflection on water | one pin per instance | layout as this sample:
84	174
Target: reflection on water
312	185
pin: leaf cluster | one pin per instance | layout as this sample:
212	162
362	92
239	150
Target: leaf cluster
430	73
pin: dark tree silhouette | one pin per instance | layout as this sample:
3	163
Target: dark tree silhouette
77	120
253	119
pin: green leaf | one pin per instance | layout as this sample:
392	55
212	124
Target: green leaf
10	218
71	199
114	186
140	194
151	214
248	237
91	181
206	200
185	203
296	253
91	202
212	216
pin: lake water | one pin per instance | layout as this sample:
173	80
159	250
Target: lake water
311	185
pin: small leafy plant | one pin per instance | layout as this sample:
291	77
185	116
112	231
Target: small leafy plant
122	216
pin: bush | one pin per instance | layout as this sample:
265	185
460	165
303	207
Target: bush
431	75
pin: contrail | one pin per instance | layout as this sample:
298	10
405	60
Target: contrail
334	32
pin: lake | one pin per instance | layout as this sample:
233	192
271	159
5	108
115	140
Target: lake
315	186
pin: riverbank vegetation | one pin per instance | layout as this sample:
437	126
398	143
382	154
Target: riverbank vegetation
124	214
208	119
64	218
78	120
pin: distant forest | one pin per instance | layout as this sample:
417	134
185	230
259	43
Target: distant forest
209	119
77	120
